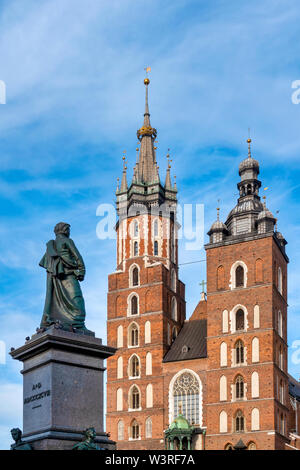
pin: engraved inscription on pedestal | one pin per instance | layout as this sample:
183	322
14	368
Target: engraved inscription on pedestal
37	401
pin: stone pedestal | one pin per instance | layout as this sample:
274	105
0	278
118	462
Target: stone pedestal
62	388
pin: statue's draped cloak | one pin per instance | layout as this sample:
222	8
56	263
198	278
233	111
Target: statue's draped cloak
64	301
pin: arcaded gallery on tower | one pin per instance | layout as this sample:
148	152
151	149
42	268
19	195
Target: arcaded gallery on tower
219	379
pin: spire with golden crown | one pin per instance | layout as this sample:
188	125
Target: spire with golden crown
146	167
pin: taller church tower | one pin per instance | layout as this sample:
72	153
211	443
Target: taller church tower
146	300
247	382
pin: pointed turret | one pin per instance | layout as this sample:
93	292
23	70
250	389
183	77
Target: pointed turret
168	184
124	185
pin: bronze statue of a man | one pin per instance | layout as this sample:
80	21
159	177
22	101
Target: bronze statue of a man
88	442
16	434
64	302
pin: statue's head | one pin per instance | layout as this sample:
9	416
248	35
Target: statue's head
62	228
90	433
16	434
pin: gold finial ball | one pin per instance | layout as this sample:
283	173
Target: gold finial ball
249	141
146	81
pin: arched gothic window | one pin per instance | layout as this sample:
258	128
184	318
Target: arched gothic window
133	335
156	248
148	427
134	366
172	245
134	430
121	430
259	270
136	229
134	305
155	228
220	278
239	421
135	276
281	391
239	352
282	425
240	320
280	358
251	446
186	394
228	446
135	398
280	332
174	334
135	249
173	280
239	276
280	280
174	309
239	387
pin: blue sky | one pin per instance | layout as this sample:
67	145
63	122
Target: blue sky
74	72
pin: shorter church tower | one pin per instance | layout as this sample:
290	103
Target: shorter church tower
146	300
247	382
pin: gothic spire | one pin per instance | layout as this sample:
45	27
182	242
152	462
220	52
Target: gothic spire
146	168
168	184
124	185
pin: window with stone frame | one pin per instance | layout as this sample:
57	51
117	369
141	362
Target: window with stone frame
186	395
155	228
239	276
135	276
240	320
120	430
135	401
239	352
134	305
279	321
280	280
133	335
220	278
173	280
281	357
135	430
136	229
174	309
251	446
239	422
156	248
134	366
259	270
281	392
239	388
174	334
228	446
148	428
135	249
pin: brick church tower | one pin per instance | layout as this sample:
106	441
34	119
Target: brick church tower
247	381
146	300
218	380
